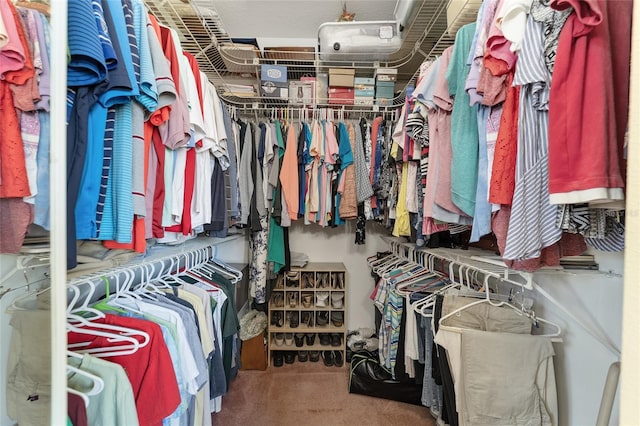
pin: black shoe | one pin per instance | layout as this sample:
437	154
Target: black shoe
294	321
289	357
336	339
303	356
314	356
310	338
327	357
278	359
325	339
337	358
322	319
299	339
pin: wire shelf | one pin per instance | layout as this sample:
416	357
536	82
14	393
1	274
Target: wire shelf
225	63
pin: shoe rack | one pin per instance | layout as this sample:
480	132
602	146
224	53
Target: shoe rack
307	312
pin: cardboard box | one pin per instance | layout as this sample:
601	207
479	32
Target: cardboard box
369	92
271	89
364	86
386	74
385	89
253	354
341	77
301	92
341	95
364	81
314	83
275	73
368	101
384	101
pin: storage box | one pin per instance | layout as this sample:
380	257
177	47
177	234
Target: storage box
272	89
341	77
275	73
322	87
368	92
253	355
364	81
363	101
386	74
384	101
300	92
385	89
341	95
314	86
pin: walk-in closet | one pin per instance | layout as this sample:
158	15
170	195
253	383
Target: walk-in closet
319	212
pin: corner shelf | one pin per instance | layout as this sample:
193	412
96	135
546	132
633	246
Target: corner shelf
428	33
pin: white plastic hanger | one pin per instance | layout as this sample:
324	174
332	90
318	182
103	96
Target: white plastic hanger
487	299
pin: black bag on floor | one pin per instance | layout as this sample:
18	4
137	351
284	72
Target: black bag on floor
368	377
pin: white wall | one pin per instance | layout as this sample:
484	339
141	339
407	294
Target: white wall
581	360
337	245
595	298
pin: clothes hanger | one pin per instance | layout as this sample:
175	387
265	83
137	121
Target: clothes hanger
82	395
487	299
98	383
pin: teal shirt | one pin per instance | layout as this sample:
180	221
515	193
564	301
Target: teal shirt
464	125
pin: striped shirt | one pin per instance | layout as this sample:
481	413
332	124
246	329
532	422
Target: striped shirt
532	225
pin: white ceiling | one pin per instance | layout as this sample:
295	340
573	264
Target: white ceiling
292	22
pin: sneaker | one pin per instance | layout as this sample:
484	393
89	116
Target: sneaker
310	338
289	357
303	356
336	339
314	356
325	339
298	339
278	339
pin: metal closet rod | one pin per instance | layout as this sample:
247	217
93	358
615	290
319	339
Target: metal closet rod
339	112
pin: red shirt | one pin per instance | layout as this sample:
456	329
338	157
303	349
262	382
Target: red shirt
149	369
588	105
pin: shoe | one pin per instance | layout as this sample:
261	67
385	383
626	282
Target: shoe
278	339
277	319
294	319
279	282
337	299
278	299
303	356
337	319
307	319
322	319
293	299
310	338
298	338
289	357
278	359
338	359
325	339
306	300
336	339
327	358
288	339
314	356
322	299
293	278
322	281
340	282
307	281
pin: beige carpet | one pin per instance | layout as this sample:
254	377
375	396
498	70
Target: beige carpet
309	394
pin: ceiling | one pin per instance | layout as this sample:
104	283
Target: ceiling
276	23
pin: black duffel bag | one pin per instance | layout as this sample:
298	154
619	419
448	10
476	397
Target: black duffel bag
368	377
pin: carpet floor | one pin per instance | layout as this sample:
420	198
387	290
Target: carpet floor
309	394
